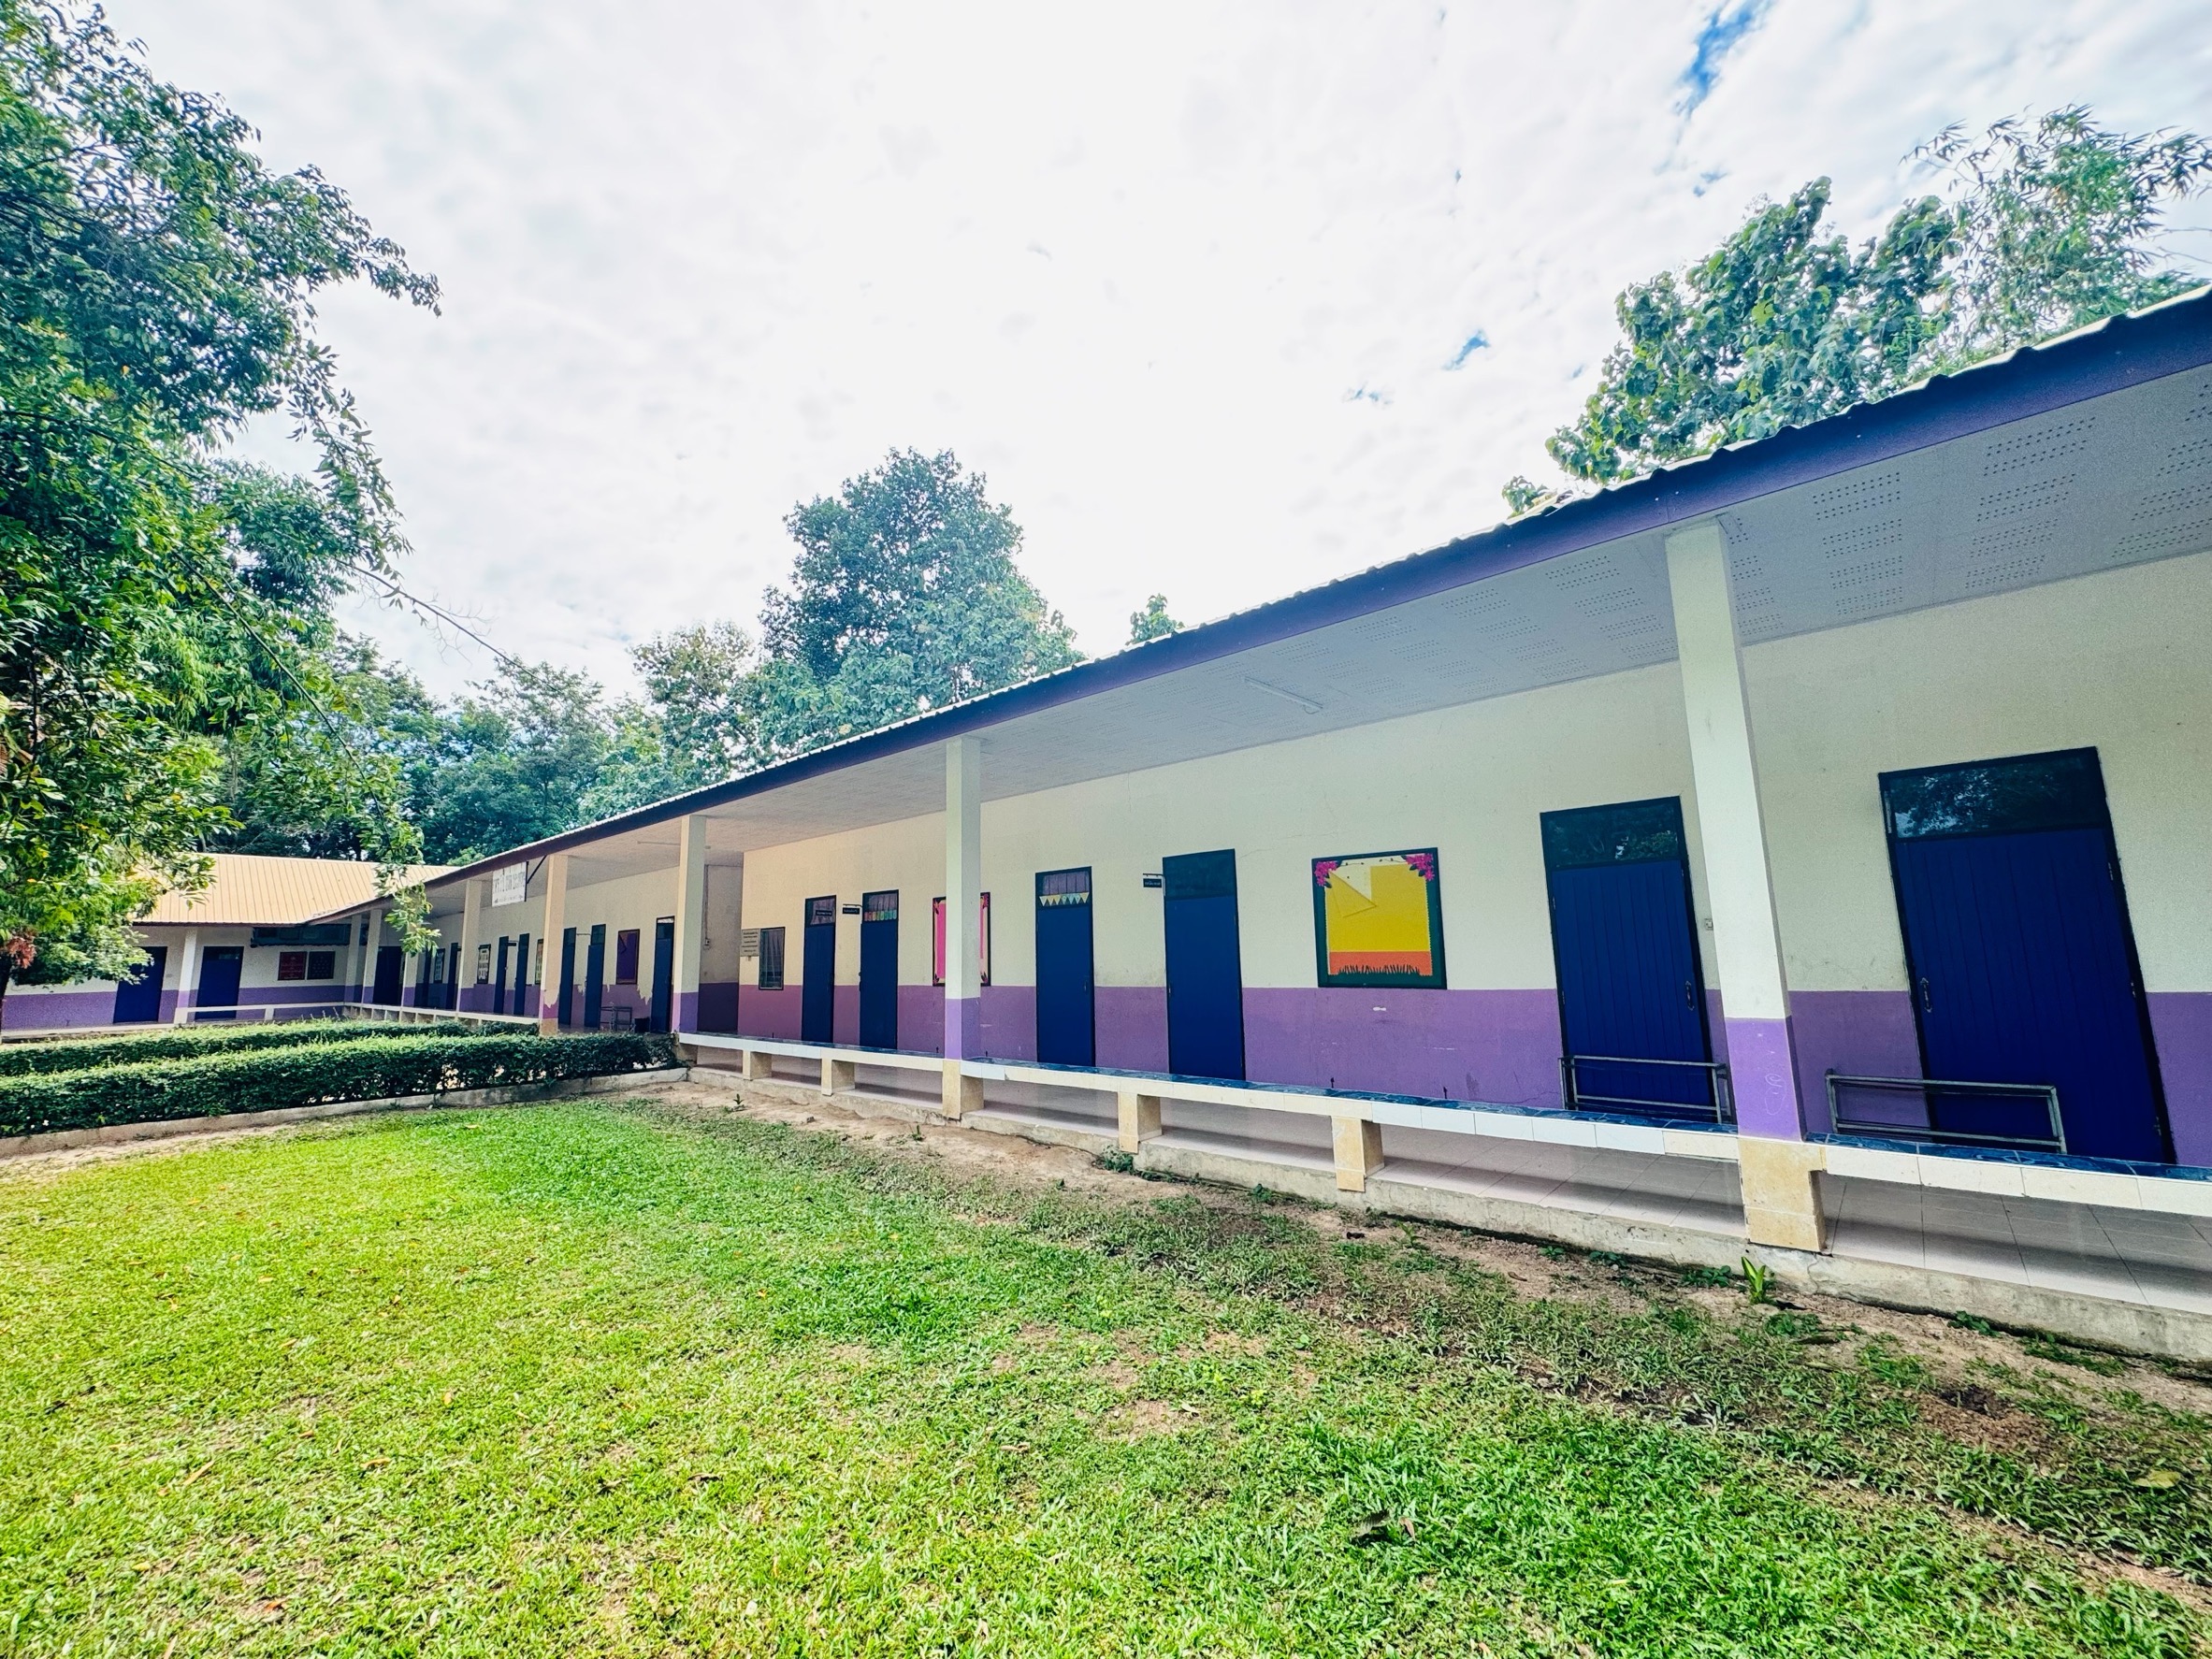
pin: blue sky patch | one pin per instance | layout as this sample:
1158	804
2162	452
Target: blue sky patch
1726	28
1476	341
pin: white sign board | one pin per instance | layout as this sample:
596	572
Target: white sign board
509	885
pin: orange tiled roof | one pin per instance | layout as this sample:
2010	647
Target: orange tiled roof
251	889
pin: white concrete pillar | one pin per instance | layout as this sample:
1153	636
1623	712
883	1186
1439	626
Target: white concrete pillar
188	977
354	975
372	940
553	924
1738	883
691	920
963	898
472	897
732	954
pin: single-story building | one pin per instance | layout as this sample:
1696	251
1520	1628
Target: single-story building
1779	848
256	942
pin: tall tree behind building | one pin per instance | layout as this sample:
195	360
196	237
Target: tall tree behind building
2046	227
904	597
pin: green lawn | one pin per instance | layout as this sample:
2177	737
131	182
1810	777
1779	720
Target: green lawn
586	1378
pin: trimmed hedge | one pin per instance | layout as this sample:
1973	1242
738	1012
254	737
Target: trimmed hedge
186	1042
214	1085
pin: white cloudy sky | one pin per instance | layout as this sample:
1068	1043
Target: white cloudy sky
1188	281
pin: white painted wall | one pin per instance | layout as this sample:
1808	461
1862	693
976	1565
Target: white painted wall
909	856
1467	781
2121	662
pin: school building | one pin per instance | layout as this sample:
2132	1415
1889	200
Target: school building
253	944
1805	851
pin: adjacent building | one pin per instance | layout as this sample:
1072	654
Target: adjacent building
256	942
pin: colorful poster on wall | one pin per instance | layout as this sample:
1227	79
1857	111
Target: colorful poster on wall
937	938
1378	920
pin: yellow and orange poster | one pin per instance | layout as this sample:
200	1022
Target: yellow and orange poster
1377	919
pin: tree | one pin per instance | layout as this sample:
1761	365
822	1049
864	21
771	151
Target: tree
2044	231
904	597
323	779
696	726
155	293
696	682
2055	220
1152	622
1775	328
512	764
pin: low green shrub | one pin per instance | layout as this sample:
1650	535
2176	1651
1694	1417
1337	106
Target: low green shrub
363	1068
185	1042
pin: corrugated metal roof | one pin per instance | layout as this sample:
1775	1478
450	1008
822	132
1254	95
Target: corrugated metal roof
248	890
2119	352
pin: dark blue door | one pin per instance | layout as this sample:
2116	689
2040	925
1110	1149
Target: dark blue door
1066	1022
664	971
818	992
879	970
220	965
565	1003
138	999
594	975
1624	940
391	968
1204	966
2017	940
499	975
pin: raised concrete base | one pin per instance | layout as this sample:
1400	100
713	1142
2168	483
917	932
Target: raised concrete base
1045	1130
1687	1246
1358	1146
1310	1173
2100	1321
962	1093
115	1134
1137	1118
1175	1154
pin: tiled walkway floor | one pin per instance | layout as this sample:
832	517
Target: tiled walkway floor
2137	1256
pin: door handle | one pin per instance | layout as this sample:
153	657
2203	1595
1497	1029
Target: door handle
1689	995
1927	1002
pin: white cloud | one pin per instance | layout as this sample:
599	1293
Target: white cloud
1137	264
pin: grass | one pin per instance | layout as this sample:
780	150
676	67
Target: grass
585	1379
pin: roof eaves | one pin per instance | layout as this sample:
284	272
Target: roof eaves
2123	350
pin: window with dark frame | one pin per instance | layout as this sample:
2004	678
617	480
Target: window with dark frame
626	956
772	958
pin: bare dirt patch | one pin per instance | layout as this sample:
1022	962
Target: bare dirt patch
1142	1419
1118	1375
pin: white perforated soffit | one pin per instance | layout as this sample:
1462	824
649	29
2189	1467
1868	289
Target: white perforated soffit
2123	479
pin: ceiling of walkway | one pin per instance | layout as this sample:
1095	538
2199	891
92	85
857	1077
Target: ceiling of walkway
2119	479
